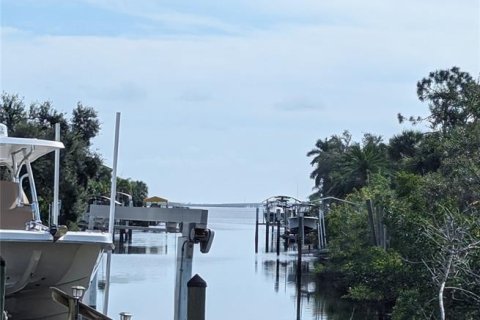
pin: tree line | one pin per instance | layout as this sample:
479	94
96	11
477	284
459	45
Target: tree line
83	174
412	242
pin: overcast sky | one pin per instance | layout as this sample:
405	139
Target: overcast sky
221	100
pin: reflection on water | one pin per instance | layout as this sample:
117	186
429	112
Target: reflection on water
134	248
241	285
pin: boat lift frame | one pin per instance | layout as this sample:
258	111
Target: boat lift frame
194	229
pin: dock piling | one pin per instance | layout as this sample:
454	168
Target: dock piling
267	229
256	231
196	298
278	238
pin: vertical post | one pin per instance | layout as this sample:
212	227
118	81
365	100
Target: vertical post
278	238
3	272
256	231
92	292
299	264
300	236
196	298
183	274
319	229
267	233
370	221
56	179
273	229
324	229
113	190
111	220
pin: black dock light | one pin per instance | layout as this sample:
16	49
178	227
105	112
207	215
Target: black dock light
125	316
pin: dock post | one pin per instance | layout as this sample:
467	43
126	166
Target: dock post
196	298
273	229
324	230
278	238
2	287
299	264
256	231
183	273
266	234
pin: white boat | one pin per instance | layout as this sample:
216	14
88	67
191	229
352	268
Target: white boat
278	208
309	224
307	211
37	256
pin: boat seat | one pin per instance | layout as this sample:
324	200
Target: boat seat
11	216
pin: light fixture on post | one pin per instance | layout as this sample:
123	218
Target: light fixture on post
77	293
125	316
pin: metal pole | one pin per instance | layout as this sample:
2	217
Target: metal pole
113	190
56	179
319	229
324	230
111	220
183	274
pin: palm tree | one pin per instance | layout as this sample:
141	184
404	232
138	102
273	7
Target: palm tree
326	157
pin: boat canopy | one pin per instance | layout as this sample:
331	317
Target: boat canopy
155	199
14	150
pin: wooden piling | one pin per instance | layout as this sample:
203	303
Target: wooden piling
273	229
299	265
267	229
278	238
130	233
256	231
196	298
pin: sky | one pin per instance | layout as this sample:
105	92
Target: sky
221	100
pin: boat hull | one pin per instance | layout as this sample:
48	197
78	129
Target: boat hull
34	263
309	224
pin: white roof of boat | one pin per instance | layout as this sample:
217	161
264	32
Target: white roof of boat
39	148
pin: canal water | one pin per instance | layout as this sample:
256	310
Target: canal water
240	284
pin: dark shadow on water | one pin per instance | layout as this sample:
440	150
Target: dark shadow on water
321	298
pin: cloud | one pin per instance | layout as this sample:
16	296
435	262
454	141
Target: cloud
325	66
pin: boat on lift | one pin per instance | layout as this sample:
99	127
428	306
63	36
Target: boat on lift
38	256
306	210
278	208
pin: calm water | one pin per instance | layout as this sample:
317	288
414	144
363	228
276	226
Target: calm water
241	285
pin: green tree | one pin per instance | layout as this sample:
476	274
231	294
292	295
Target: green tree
82	172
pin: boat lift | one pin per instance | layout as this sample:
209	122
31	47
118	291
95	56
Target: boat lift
193	226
